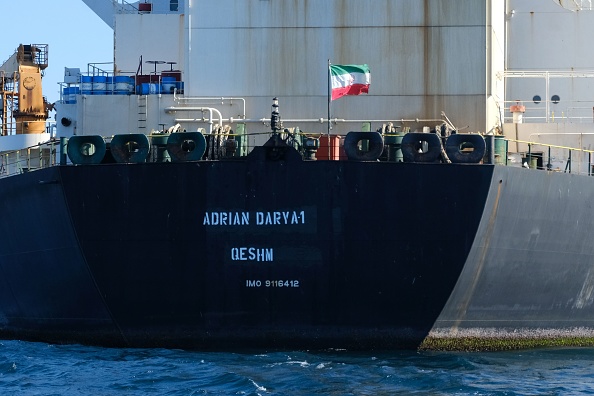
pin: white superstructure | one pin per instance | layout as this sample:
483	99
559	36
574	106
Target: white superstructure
550	72
426	58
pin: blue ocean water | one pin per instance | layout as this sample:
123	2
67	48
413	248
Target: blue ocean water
43	369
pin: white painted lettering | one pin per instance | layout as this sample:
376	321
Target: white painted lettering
226	218
253	283
262	218
252	254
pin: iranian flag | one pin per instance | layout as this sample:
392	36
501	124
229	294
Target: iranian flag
349	80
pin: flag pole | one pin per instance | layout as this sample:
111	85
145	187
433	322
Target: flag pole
329	102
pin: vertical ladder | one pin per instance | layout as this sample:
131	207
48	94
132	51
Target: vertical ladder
142	111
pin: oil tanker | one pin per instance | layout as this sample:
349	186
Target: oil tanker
149	216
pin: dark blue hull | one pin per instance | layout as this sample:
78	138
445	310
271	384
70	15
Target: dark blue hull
238	253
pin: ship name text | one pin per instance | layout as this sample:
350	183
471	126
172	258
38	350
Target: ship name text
253	218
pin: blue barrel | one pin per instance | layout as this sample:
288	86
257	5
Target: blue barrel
99	85
66	95
149	89
109	85
73	92
86	85
122	85
154	88
168	84
131	83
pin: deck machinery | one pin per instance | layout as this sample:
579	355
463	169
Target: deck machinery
23	109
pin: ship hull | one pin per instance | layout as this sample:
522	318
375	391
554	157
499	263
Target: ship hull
529	277
245	253
296	254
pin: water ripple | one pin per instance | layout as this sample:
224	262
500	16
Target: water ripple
43	369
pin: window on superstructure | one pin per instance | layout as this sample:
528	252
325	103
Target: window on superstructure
173	5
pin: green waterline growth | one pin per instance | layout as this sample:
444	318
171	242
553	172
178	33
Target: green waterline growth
478	344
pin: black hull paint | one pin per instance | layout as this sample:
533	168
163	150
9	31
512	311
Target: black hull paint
362	255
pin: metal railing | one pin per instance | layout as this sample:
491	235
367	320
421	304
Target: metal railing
579	111
569	159
39	156
124	7
44	155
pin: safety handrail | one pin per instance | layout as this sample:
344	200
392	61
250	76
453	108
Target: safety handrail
568	164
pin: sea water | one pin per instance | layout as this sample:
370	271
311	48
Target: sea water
43	369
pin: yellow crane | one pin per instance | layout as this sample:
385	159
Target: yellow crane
23	109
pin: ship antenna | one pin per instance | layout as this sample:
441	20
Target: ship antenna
275	121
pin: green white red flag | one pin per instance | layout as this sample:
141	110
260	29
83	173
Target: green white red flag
349	80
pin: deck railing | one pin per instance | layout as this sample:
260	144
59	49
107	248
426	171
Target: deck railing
47	154
547	161
39	156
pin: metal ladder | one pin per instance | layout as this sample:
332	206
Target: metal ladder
142	111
